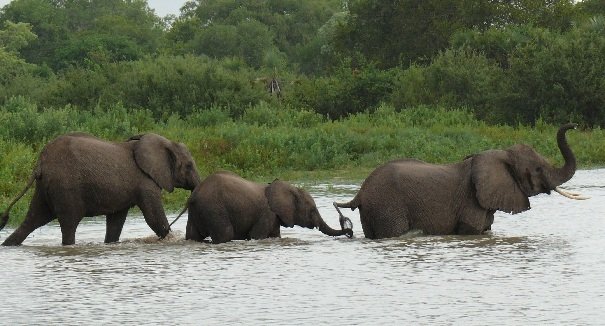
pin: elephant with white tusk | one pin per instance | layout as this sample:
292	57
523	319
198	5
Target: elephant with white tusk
458	198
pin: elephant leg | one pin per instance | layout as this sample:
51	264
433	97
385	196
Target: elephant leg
191	232
466	229
115	223
222	231
386	221
220	227
70	208
474	220
68	229
489	220
154	214
195	230
38	214
262	229
276	232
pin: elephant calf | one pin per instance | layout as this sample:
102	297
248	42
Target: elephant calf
80	175
227	207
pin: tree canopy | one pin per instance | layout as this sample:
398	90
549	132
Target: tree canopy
508	61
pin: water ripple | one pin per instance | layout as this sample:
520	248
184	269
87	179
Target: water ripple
540	267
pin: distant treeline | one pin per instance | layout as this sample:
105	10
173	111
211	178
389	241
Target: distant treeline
506	62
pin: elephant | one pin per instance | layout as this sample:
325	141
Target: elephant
78	175
227	207
458	198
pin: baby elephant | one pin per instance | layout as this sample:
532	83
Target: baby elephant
227	207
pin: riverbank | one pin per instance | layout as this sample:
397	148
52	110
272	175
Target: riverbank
269	142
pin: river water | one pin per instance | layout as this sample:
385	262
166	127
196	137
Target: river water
544	266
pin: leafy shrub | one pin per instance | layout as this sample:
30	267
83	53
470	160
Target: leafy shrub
560	78
265	114
209	117
348	91
115	122
164	85
23	121
456	78
179	84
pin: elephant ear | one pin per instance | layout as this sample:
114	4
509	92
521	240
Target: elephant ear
282	201
496	186
153	156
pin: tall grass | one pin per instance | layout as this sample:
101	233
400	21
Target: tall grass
268	141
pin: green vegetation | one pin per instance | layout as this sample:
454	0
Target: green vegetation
270	141
362	81
507	62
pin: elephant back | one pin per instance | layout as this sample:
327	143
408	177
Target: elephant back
84	166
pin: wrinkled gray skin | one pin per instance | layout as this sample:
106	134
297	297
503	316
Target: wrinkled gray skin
78	175
227	207
458	198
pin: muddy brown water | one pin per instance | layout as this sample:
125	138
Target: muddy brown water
544	266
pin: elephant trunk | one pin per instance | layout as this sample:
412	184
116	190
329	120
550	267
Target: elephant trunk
563	174
196	180
327	230
193	180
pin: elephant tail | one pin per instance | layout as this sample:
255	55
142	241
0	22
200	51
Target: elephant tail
187	204
180	214
353	204
4	217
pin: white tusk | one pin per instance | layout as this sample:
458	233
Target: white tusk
571	195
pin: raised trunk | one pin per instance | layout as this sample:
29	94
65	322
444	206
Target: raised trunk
561	175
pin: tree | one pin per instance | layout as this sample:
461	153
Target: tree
15	73
397	32
75	32
47	22
590	8
402	32
271	27
552	14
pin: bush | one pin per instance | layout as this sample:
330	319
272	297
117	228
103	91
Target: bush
163	85
179	84
455	78
23	121
209	117
348	91
559	77
265	114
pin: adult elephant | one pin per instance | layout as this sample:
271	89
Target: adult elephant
227	207
79	175
458	198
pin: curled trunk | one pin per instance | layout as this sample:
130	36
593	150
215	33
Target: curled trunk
327	230
561	175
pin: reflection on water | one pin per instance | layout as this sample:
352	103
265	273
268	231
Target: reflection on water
541	267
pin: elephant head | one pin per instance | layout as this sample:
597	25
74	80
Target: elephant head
167	163
505	179
294	206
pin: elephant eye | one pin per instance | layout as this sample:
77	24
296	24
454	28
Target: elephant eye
539	169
